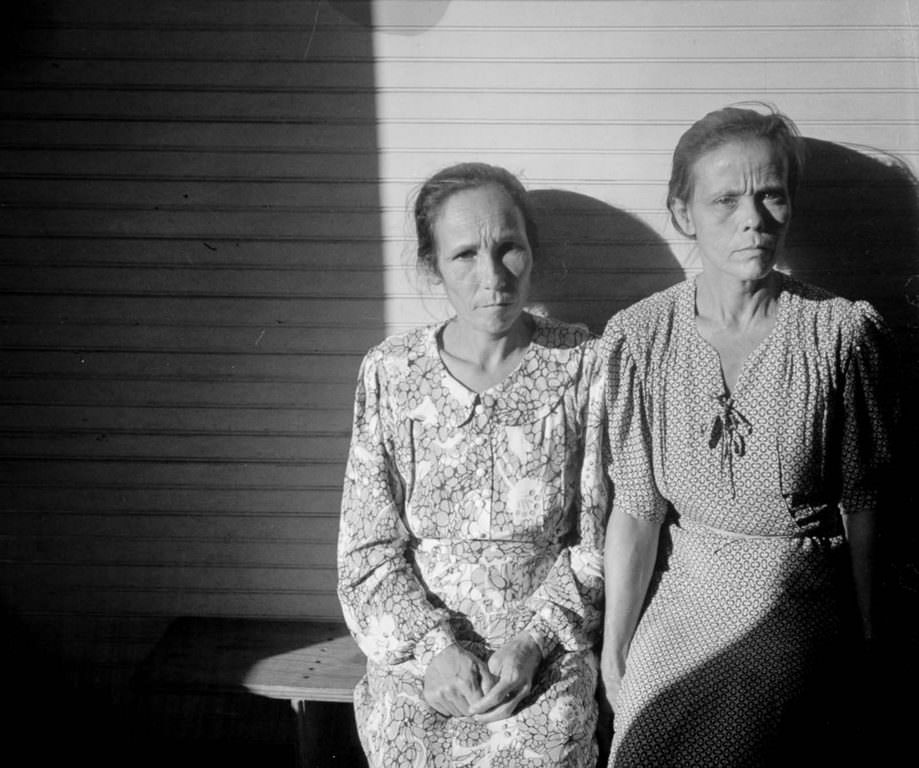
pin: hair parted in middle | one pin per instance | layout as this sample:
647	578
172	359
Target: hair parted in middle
435	192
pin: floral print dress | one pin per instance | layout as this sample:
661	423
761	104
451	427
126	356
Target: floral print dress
467	518
735	658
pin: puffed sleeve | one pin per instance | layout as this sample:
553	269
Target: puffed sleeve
870	410
631	444
567	606
385	606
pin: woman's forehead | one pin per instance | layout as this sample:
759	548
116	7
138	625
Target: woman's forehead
482	209
739	160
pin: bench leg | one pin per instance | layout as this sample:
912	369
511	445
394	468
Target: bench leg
307	733
326	735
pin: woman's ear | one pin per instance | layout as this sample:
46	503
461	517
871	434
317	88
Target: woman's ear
683	217
432	273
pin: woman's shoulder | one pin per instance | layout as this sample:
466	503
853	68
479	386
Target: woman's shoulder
569	350
554	334
399	352
648	317
825	313
558	362
405	342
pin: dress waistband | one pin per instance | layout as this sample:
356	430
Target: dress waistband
696	527
485	550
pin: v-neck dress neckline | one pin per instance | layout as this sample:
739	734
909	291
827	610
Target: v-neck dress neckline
706	349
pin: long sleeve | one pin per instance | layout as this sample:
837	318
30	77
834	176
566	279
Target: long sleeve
384	604
568	604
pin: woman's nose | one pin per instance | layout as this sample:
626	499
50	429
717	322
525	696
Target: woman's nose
491	269
752	214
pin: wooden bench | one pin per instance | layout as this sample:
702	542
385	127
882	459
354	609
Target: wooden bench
307	663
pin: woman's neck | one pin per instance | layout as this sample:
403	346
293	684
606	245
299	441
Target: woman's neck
479	359
736	305
735	318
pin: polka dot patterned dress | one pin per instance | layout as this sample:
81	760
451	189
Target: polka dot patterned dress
734	654
468	518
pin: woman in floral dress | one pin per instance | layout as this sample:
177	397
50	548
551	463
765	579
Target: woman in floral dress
750	431
474	507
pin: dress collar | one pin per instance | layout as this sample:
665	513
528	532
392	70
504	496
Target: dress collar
550	364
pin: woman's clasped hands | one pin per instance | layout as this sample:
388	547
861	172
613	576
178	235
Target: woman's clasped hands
459	684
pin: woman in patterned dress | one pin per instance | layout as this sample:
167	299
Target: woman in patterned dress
749	419
474	507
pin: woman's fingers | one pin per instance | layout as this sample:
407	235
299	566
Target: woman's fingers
457	683
499	695
611	692
501	702
449	703
515	665
451	700
453	681
611	679
612	668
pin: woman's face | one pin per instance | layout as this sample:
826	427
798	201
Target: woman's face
483	258
739	210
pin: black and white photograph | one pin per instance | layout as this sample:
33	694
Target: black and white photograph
459	383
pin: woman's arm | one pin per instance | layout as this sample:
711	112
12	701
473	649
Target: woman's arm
631	551
567	607
870	417
860	532
639	508
384	604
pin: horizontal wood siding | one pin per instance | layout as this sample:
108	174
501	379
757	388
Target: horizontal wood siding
203	227
191	270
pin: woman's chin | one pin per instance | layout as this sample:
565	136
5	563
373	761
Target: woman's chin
750	271
497	320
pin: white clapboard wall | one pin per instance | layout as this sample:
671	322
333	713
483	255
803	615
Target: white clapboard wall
203	227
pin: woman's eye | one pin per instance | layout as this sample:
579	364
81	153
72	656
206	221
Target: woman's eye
726	202
775	197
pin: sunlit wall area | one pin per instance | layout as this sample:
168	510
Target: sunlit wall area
586	100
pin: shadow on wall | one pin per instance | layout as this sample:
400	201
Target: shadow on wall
17	33
220	275
855	229
594	259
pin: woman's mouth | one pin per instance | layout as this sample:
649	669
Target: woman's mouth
757	248
499	302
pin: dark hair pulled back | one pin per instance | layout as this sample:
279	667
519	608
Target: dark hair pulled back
734	123
435	192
